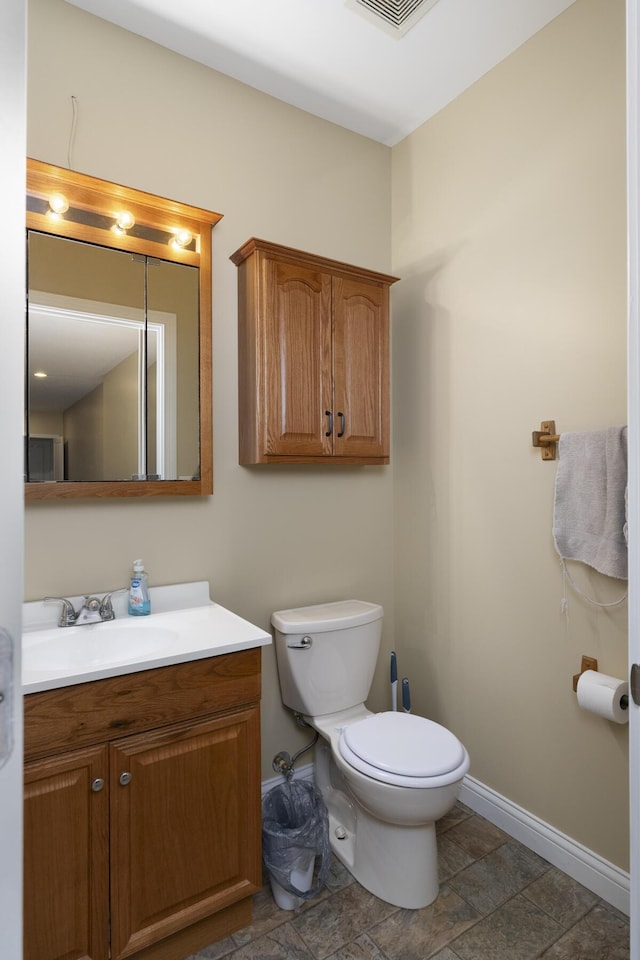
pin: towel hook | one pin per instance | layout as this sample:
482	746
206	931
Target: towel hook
547	439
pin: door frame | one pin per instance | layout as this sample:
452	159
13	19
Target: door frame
12	303
633	370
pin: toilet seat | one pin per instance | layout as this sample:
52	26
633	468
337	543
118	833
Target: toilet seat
403	749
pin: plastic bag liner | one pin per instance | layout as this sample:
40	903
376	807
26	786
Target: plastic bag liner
295	830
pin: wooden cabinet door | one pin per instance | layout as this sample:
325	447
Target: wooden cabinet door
297	360
66	859
361	367
185	826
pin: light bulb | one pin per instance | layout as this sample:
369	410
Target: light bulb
58	203
181	239
125	220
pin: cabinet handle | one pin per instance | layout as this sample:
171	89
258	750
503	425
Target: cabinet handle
97	784
124	778
341	431
328	414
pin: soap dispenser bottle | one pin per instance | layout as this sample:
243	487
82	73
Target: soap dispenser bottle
139	603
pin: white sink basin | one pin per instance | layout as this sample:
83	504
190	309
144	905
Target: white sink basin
90	646
60	656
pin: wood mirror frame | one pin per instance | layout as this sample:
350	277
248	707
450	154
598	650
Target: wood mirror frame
93	207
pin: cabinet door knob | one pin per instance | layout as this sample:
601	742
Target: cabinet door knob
125	778
97	784
328	414
341	431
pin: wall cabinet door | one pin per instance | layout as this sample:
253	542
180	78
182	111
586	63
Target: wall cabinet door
66	902
298	354
313	358
185	826
361	368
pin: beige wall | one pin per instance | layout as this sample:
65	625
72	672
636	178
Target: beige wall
83	436
119	408
269	537
509	232
46	423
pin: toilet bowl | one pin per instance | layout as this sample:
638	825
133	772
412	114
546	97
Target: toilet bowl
385	777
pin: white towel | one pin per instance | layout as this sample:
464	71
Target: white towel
589	508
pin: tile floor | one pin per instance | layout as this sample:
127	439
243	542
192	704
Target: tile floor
497	901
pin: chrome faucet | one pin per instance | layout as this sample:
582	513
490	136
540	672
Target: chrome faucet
93	610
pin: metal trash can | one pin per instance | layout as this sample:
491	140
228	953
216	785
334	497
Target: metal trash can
295	833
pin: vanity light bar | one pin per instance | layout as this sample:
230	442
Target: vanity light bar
86	208
57	207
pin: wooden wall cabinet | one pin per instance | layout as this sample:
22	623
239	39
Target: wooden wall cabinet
143	845
313	354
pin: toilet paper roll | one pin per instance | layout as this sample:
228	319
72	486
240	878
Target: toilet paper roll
605	696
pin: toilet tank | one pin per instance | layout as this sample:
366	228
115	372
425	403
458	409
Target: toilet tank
327	654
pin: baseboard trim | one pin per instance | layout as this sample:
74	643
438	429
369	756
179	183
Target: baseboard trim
588	868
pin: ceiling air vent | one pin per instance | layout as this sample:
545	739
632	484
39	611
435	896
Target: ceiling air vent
395	17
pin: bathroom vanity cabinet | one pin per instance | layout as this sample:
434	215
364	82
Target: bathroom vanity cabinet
142	811
313	354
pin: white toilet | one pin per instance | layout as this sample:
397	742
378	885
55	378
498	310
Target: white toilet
385	777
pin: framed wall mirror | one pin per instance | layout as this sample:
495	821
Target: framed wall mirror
118	345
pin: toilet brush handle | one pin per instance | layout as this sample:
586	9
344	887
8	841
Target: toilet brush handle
406	696
393	672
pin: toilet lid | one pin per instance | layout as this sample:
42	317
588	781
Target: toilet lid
404	744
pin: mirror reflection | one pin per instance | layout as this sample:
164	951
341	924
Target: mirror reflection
112	364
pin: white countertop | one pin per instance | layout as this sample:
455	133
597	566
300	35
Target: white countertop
55	656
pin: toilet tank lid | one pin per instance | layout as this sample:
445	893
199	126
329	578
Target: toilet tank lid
323	617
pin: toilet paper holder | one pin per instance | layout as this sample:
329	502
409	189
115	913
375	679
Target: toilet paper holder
602	695
588	663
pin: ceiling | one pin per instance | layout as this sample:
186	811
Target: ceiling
333	61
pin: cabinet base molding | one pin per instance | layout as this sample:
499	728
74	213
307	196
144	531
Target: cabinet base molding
338	461
199	935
